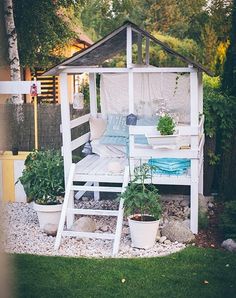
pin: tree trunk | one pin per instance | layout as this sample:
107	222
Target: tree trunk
14	61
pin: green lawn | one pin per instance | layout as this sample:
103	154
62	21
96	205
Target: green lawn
193	272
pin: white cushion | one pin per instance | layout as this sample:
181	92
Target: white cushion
97	127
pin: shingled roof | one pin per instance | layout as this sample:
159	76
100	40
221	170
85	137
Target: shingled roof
112	44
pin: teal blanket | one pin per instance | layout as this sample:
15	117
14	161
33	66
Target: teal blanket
169	166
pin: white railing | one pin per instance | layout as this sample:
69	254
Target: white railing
76	143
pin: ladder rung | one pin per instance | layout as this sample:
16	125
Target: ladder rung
93	212
96	188
88	235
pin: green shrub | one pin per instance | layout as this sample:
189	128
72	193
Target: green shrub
166	125
140	197
203	220
228	220
43	177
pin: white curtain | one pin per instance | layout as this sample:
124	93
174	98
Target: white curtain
153	93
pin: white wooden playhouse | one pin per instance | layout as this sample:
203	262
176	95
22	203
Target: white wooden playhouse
137	88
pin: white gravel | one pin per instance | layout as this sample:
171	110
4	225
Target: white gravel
23	235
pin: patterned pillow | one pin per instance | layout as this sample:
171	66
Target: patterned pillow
116	126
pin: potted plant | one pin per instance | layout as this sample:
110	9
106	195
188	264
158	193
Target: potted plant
166	135
142	204
43	182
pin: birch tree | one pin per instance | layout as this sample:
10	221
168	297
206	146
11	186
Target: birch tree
13	55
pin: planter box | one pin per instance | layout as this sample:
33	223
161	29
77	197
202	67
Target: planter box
167	141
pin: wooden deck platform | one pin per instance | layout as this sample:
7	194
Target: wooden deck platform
95	168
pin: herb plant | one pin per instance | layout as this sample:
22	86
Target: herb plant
166	125
140	197
43	177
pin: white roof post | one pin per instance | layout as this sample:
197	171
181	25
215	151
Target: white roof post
93	94
129	47
65	128
200	92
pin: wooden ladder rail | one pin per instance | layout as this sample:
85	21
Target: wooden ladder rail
119	223
65	206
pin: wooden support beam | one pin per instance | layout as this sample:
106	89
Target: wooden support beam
129	47
66	130
93	94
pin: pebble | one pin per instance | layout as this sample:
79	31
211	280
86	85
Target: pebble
23	235
162	239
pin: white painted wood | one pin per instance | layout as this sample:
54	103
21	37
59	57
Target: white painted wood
131	92
96	188
119	223
94	212
93	94
20	195
147	51
183	130
129	47
200	92
79	194
83	177
18	87
148	152
80	120
96	193
140	60
148	69
88	235
194	113
65	206
194	197
79	141
201	176
66	131
70	217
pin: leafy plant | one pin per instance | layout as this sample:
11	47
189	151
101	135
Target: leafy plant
43	177
166	125
140	197
228	220
203	220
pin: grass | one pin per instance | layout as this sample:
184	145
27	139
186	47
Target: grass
193	272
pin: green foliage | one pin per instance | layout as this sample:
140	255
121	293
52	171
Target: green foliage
186	47
229	73
220	112
40	29
203	220
141	198
228	220
43	177
166	125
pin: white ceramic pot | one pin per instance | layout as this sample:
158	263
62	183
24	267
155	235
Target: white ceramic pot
143	233
48	214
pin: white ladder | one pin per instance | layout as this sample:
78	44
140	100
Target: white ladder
68	210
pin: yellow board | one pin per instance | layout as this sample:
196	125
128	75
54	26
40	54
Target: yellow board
8	186
8	175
